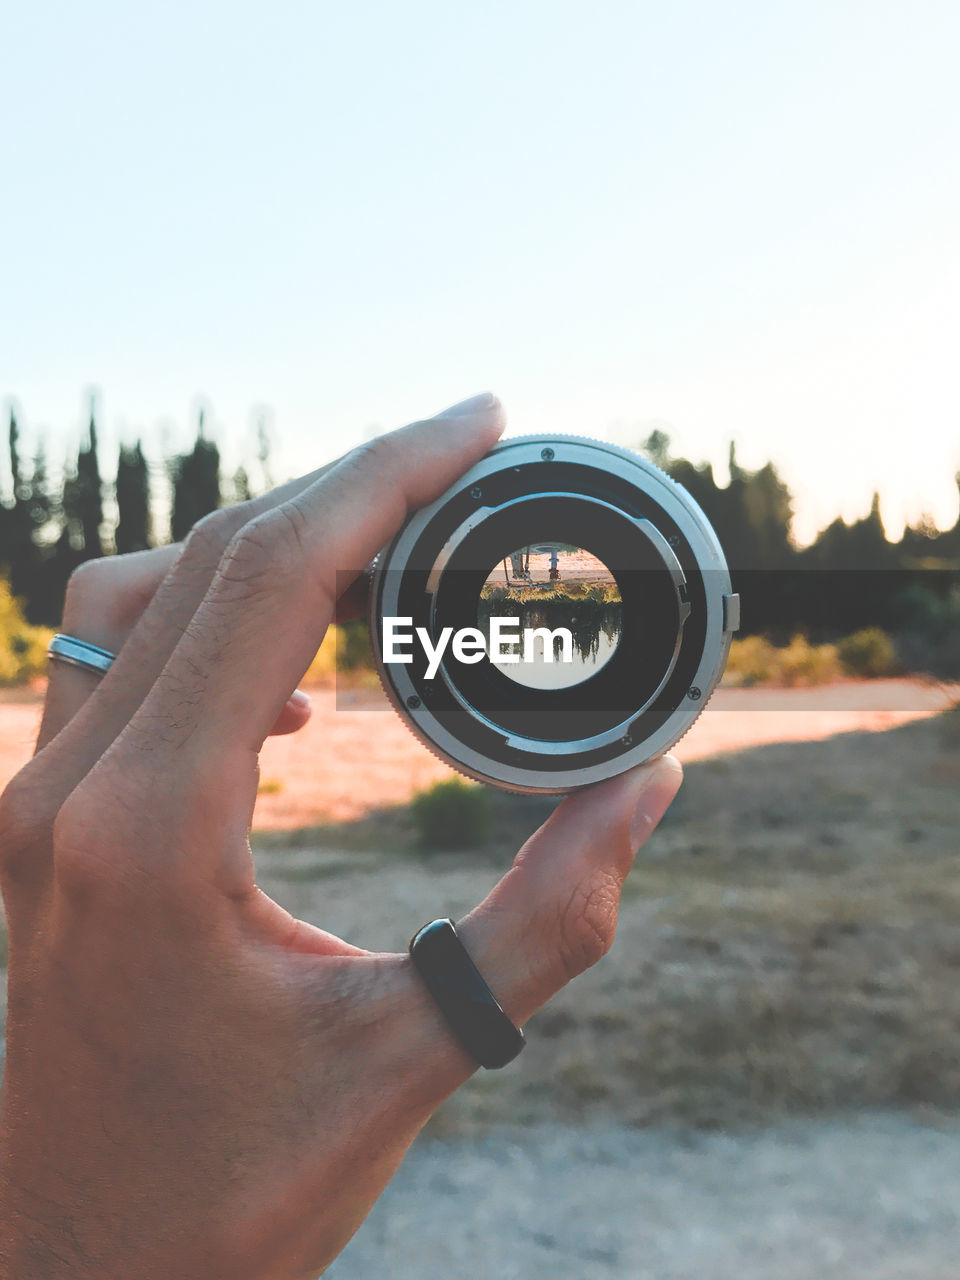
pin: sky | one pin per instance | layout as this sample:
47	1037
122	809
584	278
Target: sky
728	221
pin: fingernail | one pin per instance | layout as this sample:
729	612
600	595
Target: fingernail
476	404
299	699
658	783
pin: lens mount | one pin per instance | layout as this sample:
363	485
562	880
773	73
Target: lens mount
636	572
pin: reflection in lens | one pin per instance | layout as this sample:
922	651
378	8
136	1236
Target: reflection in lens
568	610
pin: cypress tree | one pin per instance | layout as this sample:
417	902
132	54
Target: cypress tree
196	484
18	552
657	448
13	437
90	493
241	485
133	500
41	503
83	499
263	451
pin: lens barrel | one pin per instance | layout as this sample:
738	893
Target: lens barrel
610	593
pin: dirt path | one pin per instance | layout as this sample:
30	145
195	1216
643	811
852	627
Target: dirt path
359	755
873	1197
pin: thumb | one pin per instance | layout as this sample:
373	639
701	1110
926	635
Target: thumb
554	914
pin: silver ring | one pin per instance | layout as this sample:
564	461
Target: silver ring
78	653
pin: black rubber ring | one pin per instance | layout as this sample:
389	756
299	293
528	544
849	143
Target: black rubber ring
463	997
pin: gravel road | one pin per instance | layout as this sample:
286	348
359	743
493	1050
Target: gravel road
875	1196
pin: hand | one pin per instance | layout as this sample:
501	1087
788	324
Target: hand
198	1084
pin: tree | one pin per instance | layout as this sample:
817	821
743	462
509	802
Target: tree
57	568
737	472
657	448
13	437
241	485
264	450
133	500
83	497
196	484
769	515
41	503
862	545
37	570
18	552
949	542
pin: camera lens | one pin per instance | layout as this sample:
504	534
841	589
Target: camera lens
560	615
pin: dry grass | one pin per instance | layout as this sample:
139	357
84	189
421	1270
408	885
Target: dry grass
789	942
801	946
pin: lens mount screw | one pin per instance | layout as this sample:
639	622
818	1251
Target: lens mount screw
694	694
413	702
627	739
547	455
476	492
673	540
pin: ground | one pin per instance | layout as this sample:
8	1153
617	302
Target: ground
782	1001
867	1197
788	942
321	774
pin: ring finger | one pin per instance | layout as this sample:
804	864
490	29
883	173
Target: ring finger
104	600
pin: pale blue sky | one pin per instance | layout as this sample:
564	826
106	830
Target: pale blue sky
734	220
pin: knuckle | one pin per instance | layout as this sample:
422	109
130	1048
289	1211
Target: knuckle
96	601
88	574
588	923
85	584
266	547
377	454
209	537
219	525
26	820
291	517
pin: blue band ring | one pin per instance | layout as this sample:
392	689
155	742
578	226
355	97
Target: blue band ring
78	653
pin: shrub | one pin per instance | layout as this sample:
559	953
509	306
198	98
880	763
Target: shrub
353	647
803	663
452	814
345	649
929	638
751	662
869	652
23	648
754	660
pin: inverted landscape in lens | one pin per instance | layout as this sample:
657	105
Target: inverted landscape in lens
566	615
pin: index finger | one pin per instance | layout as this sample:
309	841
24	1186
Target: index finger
274	594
